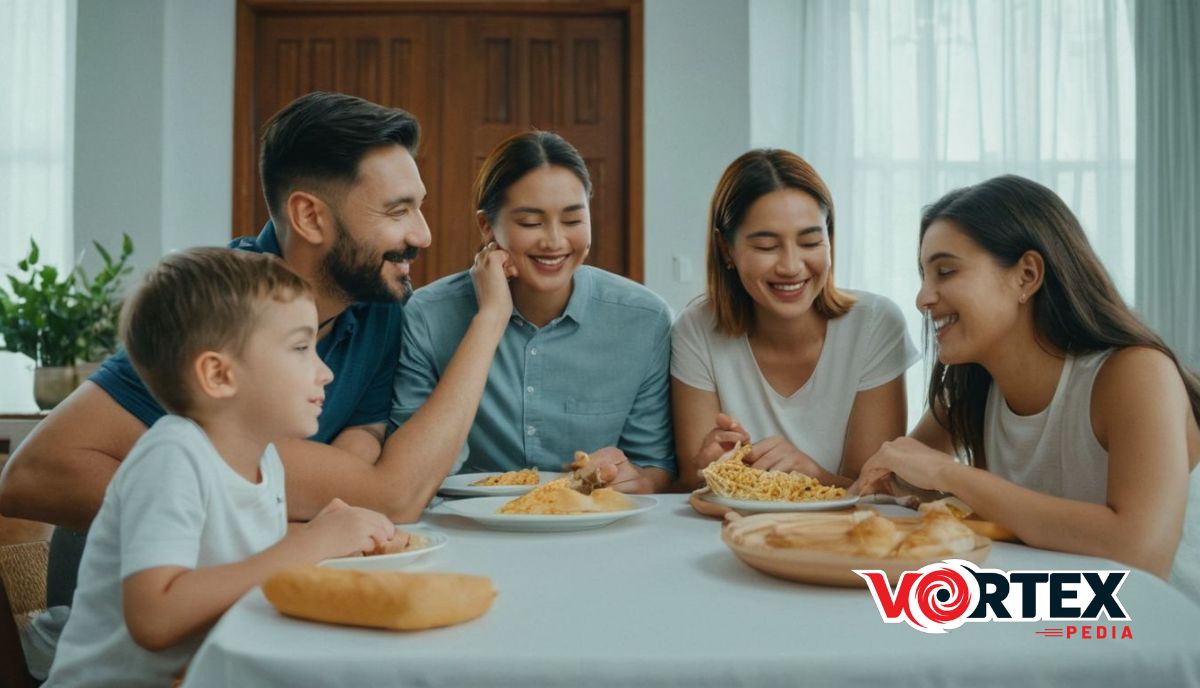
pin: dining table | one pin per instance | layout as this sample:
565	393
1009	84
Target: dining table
657	599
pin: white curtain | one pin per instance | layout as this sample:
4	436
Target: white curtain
900	101
37	66
1168	172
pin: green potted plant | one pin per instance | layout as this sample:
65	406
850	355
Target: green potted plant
61	320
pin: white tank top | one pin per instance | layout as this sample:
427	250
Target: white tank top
1056	452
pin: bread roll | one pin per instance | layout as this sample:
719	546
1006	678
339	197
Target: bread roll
379	599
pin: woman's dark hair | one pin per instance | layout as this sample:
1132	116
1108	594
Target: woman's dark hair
320	138
517	156
1077	310
754	175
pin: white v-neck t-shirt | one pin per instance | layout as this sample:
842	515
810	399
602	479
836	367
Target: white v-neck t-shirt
865	348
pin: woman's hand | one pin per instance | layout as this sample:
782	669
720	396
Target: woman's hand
775	453
909	459
490	274
727	433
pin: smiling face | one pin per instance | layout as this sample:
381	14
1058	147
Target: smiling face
379	228
974	303
281	380
545	225
781	253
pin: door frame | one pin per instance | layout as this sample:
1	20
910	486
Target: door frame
245	148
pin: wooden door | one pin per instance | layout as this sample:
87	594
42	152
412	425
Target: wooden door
472	78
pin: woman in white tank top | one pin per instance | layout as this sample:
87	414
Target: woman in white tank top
1079	425
814	375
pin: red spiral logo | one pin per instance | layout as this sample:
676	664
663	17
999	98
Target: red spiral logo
956	593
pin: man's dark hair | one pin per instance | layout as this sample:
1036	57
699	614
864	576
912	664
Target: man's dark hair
319	139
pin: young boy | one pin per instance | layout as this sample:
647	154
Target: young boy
195	516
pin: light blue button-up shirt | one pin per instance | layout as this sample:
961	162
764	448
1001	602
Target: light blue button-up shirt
596	376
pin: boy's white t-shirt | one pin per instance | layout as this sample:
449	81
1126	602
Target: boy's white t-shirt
173	502
865	348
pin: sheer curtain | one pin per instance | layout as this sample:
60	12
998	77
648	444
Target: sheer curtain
37	66
901	101
1168	172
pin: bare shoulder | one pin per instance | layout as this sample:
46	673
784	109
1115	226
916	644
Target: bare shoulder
1138	386
1139	371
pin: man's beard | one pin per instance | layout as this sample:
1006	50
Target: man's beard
355	269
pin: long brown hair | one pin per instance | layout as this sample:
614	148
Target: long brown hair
1078	309
754	175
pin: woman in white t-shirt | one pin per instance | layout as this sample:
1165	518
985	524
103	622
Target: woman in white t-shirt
1081	428
776	353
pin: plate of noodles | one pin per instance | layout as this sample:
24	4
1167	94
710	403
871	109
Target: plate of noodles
731	483
761	506
496	484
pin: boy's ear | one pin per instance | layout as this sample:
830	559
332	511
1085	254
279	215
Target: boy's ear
214	375
308	218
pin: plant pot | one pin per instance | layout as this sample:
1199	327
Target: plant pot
52	384
85	370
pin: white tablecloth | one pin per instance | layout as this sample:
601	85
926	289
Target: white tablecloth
658	600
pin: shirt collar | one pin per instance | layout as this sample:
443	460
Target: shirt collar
267	241
581	293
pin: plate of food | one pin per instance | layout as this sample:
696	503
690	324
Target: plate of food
575	501
399	552
826	548
495	484
759	506
733	484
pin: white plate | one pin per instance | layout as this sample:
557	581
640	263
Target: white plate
434	540
750	505
460	485
486	511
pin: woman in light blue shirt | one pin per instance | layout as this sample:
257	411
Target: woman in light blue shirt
585	361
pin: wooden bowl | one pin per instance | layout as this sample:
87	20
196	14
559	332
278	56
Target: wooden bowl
823	567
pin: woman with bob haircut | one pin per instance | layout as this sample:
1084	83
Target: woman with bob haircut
1077	423
776	353
584	359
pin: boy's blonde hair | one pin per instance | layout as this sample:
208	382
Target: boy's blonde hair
197	300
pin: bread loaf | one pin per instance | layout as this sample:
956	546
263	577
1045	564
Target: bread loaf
379	599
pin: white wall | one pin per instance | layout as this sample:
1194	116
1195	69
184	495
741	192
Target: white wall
154	125
697	120
118	126
197	159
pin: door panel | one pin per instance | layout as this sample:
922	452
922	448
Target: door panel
472	79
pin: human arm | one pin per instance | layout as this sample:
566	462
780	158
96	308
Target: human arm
702	432
1140	414
165	605
419	454
59	473
644	458
362	441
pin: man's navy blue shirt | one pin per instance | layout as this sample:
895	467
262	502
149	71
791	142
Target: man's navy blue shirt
362	351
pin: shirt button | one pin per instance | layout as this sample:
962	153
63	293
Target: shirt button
533	351
529	389
531	431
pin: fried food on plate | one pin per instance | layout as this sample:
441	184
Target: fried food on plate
525	476
579	492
